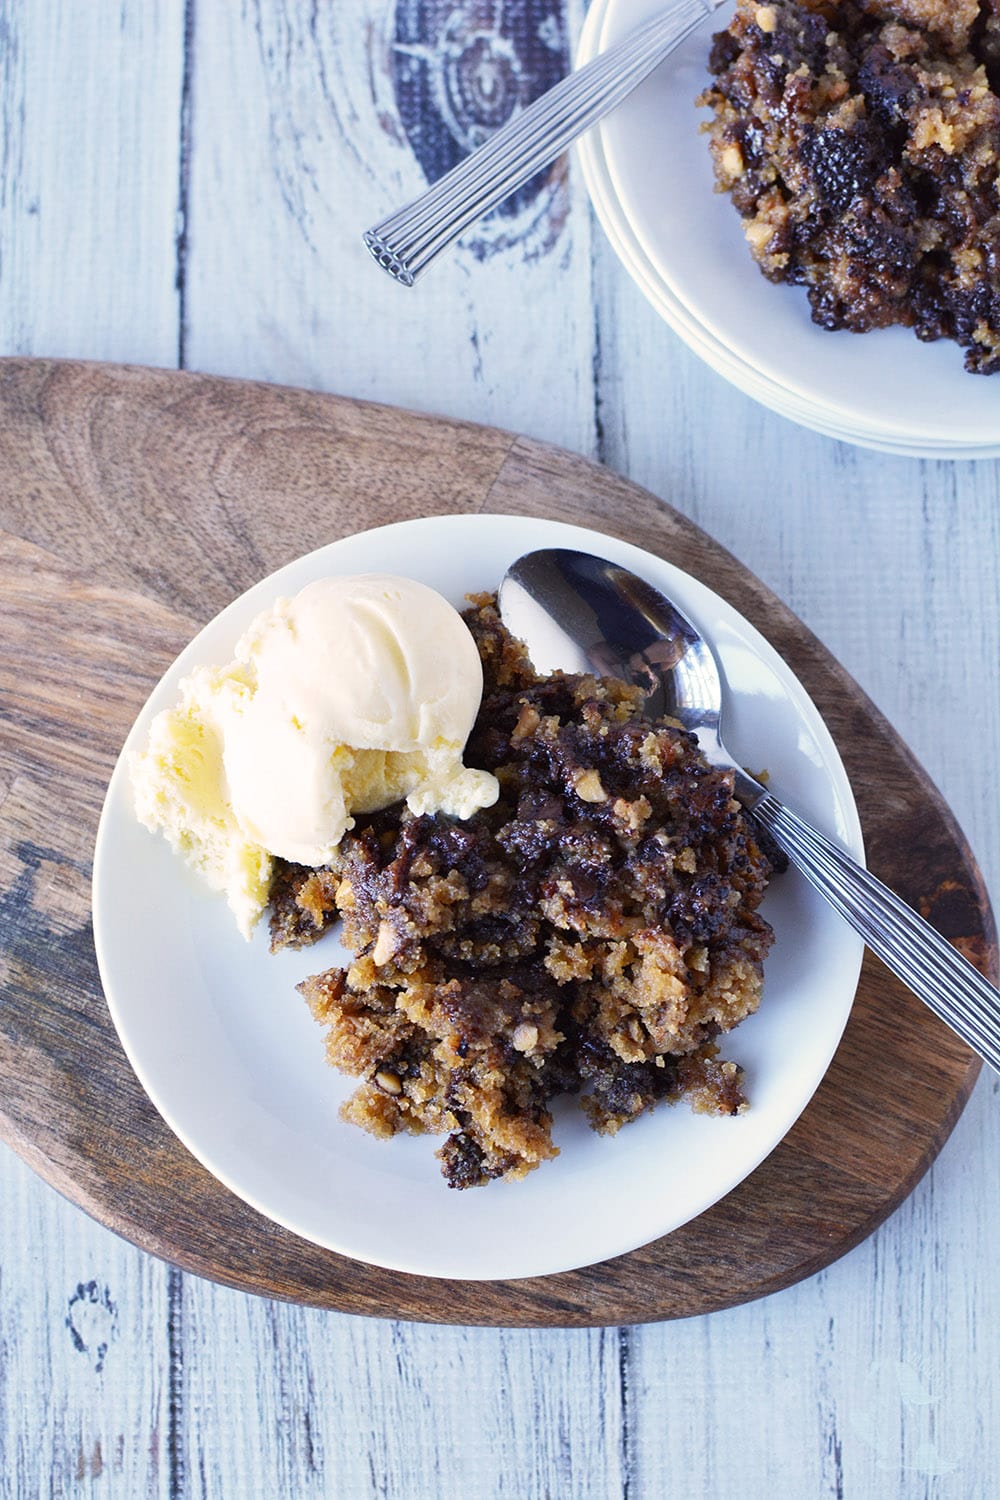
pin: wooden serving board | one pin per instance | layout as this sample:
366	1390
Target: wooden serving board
134	504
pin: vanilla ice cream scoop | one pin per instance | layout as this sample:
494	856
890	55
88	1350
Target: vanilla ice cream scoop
356	693
365	691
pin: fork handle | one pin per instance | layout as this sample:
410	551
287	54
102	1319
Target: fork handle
918	955
405	244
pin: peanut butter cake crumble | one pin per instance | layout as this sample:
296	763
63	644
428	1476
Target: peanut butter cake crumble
860	142
592	932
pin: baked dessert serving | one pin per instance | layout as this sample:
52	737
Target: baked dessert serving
860	142
593	931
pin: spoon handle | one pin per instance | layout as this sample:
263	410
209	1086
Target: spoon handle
918	955
405	244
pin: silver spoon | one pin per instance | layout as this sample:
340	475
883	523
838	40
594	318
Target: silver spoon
584	614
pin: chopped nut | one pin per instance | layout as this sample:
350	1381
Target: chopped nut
386	944
632	814
589	788
766	18
757	233
525	1037
389	1083
528	721
731	160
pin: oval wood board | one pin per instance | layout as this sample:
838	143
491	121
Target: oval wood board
134	504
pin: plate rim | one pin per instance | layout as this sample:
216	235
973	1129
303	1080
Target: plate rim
263	590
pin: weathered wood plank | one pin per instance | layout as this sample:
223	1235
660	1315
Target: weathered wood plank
303	149
91	106
84	1361
910	1314
89	127
349	1407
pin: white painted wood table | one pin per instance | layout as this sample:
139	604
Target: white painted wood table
185	184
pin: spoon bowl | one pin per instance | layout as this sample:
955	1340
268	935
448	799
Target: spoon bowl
581	613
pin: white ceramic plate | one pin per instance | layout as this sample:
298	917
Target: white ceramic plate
649	174
230	1056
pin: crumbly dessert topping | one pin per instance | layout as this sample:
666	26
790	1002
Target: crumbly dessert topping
860	142
594	931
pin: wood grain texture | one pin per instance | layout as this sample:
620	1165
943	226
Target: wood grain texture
134	504
322	153
71	79
168	230
90	111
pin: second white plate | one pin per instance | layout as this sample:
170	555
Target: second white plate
648	171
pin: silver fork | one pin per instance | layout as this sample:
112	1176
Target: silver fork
405	244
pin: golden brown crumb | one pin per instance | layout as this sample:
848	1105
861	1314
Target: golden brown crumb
595	931
860	142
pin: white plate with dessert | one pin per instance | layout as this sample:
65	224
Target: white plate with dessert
230	1055
649	172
